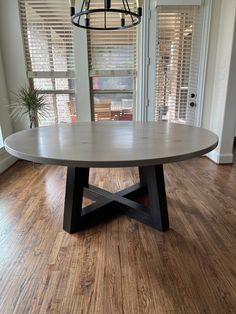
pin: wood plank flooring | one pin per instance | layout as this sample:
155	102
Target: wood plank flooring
120	265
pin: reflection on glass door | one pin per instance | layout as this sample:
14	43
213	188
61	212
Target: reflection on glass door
113	98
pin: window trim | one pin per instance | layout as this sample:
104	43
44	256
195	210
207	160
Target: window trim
112	91
143	61
51	74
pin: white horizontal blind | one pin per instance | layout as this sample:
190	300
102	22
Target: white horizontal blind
177	62
47	35
49	52
111	52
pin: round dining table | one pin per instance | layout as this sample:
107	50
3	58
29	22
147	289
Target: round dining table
108	144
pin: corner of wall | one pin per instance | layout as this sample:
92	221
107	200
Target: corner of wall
6	160
219	110
220	159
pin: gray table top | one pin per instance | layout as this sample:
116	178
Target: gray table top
111	144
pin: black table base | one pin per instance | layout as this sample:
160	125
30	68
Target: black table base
151	183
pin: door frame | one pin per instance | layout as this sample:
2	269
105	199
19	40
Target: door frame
148	62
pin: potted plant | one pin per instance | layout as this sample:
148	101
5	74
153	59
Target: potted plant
29	101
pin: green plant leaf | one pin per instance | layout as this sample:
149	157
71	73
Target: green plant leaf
27	100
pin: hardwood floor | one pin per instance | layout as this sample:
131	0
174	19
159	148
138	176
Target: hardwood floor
120	265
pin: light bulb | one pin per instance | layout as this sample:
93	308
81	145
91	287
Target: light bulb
122	15
86	4
107	4
87	21
72	3
139	3
72	7
139	6
122	18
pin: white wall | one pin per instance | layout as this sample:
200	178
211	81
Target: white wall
12	52
5	159
211	62
228	131
4	103
219	113
12	71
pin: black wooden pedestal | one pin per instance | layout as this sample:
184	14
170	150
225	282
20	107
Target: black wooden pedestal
151	182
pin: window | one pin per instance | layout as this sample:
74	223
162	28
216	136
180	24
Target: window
177	62
112	68
48	41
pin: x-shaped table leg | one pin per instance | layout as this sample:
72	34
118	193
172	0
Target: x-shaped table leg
151	183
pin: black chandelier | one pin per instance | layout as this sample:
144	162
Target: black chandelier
123	17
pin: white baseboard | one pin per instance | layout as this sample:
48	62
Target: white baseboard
6	160
221	158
